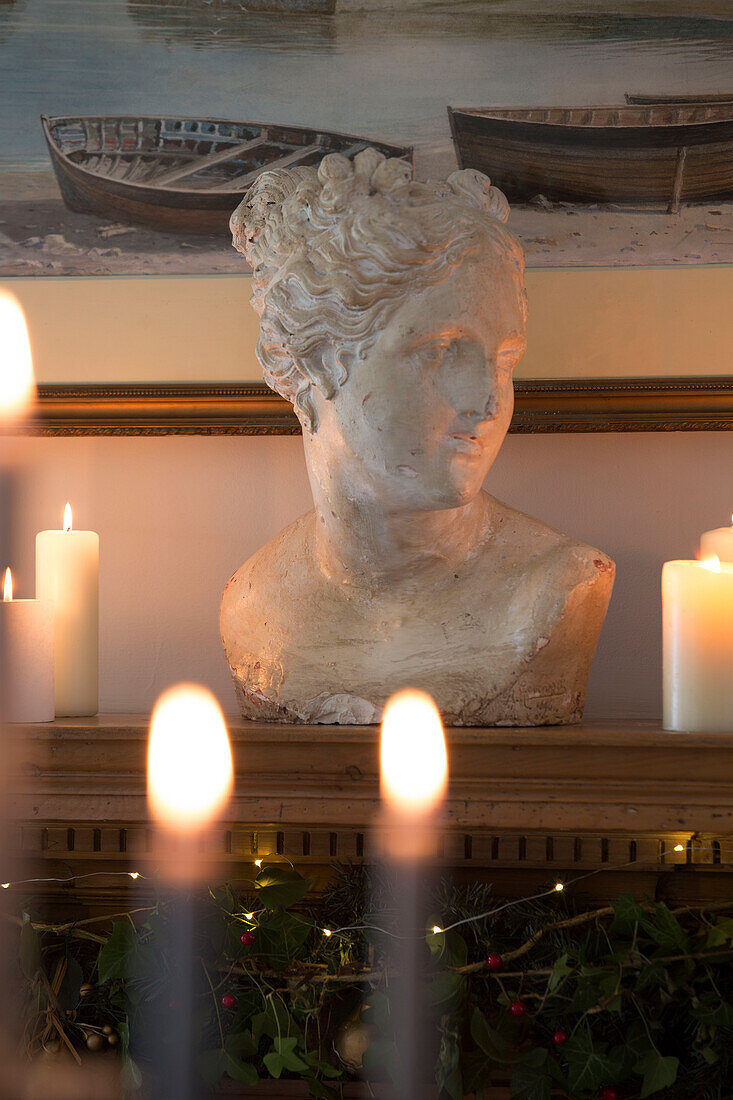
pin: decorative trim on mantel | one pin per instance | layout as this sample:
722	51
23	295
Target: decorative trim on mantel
251	408
624	778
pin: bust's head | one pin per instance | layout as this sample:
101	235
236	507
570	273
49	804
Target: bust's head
392	315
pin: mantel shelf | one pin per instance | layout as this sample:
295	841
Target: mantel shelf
606	777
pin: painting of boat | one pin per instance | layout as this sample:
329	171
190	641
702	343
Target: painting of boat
668	153
179	175
696	100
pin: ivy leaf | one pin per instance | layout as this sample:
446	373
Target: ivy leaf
448	948
283	1057
560	971
68	996
213	1064
275	1022
589	1066
721	934
123	956
241	1044
531	1079
30	949
658	1072
627	913
492	1042
713	1012
281	937
665	930
446	992
280	887
382	1055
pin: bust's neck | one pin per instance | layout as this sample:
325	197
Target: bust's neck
361	542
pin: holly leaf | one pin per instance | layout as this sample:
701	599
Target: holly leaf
280	886
658	1072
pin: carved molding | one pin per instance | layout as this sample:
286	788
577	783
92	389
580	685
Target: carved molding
251	408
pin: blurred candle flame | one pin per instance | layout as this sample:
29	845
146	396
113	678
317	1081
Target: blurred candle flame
712	564
17	385
414	760
190	770
68	525
8	587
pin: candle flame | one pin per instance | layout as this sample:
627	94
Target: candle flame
414	760
8	587
68	525
712	564
17	384
190	770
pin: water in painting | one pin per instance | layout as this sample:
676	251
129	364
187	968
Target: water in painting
311	70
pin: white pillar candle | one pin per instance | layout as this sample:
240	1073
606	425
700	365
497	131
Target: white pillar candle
718	543
67	574
697	603
26	627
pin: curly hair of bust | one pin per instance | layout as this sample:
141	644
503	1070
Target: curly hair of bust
334	249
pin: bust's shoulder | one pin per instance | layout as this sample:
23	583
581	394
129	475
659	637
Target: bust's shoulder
528	540
283	563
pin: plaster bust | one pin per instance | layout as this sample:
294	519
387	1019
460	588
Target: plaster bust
392	316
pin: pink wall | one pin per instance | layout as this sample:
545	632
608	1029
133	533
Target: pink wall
178	515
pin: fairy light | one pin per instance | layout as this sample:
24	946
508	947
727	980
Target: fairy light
327	932
258	863
134	874
679	847
559	887
437	929
6	885
249	916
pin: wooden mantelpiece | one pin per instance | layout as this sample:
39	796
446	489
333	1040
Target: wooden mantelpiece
525	806
622	777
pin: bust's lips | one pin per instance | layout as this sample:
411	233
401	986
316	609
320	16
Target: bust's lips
466	443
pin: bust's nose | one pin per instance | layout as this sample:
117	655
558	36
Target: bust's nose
475	391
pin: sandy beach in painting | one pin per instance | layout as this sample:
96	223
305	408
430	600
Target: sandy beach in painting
40	237
376	68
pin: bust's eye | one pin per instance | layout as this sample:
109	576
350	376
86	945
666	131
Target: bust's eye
508	358
429	354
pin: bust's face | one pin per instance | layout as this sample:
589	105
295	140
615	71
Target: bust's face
421	418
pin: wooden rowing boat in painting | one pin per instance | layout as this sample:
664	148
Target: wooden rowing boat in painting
628	154
178	174
697	100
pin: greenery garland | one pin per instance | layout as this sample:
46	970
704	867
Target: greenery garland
626	1001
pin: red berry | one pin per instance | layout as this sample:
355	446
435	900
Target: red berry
559	1038
229	1001
609	1093
518	1009
247	938
494	962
